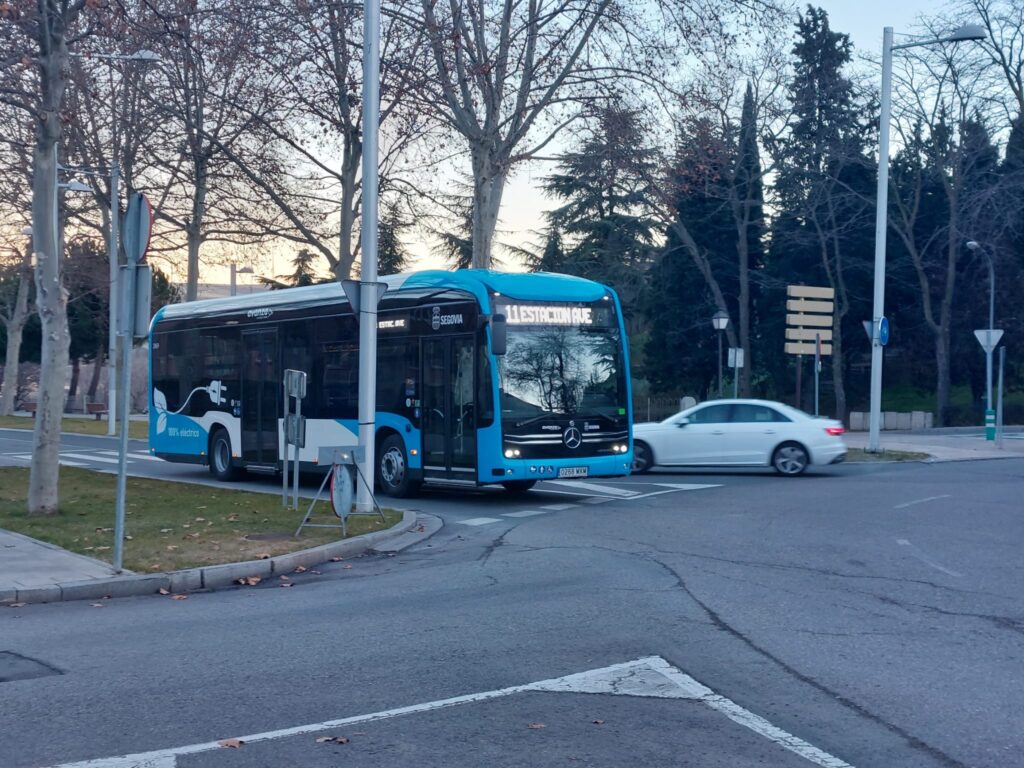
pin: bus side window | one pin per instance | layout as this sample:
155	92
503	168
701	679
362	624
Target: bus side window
397	376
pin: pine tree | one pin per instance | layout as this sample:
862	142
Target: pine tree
392	257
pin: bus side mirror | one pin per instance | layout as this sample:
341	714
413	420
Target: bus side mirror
499	334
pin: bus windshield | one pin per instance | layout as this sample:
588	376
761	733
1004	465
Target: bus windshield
562	372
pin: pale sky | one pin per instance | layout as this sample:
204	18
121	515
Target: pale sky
524	204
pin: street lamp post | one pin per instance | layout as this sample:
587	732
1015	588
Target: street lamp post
720	321
973	246
145	57
964	33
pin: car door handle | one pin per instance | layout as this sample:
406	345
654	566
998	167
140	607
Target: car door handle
769	431
717	432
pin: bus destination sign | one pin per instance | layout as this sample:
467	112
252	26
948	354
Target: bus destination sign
548	314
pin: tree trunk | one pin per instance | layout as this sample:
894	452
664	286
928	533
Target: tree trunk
192	277
744	313
51	304
194	232
97	366
76	372
838	379
15	326
488	186
942	383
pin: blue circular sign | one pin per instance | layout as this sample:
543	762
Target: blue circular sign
883	331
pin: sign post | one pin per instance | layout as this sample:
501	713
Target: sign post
808	324
989	340
735	362
136	291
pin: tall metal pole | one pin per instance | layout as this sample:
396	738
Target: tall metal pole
368	273
881	226
234	288
991	326
126	331
115	210
999	407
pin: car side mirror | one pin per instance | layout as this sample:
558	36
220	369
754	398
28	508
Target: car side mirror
499	334
682	423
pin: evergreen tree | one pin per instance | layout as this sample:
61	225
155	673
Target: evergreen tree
392	257
824	182
604	188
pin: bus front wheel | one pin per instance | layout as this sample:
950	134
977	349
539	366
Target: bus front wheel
517	487
220	456
393	469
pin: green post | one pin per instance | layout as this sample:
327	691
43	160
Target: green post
990	424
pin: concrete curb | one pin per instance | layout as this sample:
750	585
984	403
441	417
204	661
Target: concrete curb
210	576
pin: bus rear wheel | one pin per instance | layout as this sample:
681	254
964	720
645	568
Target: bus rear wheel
220	456
393	469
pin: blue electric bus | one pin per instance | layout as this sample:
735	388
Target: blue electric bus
482	377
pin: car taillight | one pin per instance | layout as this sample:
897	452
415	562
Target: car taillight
834	431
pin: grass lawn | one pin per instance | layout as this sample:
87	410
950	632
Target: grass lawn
137	429
170	525
859	454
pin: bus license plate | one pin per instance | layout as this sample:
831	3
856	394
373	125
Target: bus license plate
572	472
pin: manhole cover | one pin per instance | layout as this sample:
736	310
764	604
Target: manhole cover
14	666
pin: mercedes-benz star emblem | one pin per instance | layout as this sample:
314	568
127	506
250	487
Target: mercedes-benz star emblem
572	438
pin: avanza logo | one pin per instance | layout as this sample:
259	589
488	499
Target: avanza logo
259	314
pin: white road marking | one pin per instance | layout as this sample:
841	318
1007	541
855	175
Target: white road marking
560	507
86	457
479	521
688	486
597	499
141	456
922	501
648	677
526	513
925	559
611	490
66	463
63	462
692	487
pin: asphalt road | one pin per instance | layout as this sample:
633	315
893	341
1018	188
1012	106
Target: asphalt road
865	616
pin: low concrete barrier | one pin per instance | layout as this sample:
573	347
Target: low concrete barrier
860	421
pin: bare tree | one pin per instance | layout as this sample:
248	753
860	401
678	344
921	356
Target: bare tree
33	66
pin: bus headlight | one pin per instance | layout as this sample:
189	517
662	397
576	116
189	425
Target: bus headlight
512	453
620	448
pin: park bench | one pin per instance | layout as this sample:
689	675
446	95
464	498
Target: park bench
97	409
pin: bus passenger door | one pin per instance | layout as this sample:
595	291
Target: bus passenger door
260	385
449	407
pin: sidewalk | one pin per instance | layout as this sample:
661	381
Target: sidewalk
965	445
26	563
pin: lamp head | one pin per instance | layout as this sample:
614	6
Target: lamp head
968	32
720	320
973	245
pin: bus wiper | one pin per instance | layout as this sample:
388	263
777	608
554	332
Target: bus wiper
534	420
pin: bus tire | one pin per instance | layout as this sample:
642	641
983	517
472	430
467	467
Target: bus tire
221	466
393	469
518	487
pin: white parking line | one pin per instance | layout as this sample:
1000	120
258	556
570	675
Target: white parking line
651	677
610	490
86	457
526	513
479	521
915	552
922	501
141	456
559	507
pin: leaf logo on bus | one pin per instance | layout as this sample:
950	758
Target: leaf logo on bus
160	403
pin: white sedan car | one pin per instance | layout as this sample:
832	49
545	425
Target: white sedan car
738	433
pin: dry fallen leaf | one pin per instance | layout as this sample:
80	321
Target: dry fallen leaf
332	740
300	569
96	605
263	556
536	726
288	584
164	591
180	597
16	605
598	722
337	559
285	578
189	536
249	581
231	743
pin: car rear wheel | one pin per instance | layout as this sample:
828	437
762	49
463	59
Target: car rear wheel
790	459
643	459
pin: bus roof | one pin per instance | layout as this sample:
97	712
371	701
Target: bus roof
480	283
